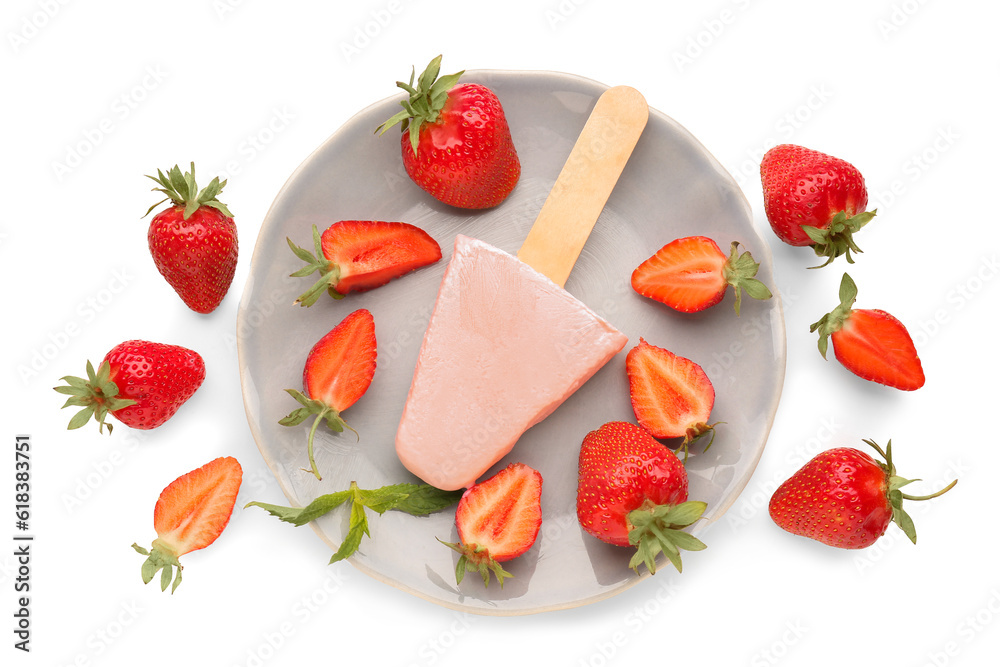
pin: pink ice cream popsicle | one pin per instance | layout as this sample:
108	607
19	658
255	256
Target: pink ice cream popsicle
506	344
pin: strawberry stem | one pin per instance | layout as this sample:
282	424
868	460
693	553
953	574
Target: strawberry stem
838	237
310	449
896	497
182	190
97	395
329	272
906	496
739	271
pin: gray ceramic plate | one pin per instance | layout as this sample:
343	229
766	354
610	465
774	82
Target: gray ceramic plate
671	187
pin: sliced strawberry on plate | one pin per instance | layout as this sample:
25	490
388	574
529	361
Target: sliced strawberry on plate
671	395
338	370
872	344
691	274
497	519
190	514
359	255
633	491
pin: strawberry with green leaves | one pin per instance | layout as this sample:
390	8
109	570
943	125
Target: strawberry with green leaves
139	383
190	514
870	343
497	519
814	199
359	255
691	274
456	143
193	242
633	491
845	498
671	395
338	370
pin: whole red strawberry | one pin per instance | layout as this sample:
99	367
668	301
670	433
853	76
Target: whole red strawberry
497	520
140	383
844	498
193	243
190	514
359	255
338	370
811	198
872	344
691	274
456	143
632	490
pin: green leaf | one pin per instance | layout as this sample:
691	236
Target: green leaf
166	576
358	529
81	417
426	499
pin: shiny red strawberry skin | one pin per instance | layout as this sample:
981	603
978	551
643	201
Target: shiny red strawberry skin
621	468
340	366
197	256
159	377
838	498
806	187
466	158
874	345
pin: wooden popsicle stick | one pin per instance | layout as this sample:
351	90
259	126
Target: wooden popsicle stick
585	183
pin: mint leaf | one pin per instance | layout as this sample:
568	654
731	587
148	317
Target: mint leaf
414	499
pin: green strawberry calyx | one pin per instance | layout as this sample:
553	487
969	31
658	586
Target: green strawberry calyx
97	395
322	412
414	499
476	558
182	190
329	271
657	529
427	98
896	497
833	321
739	271
161	558
837	238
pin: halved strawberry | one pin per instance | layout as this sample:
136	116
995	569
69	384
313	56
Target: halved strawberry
359	255
338	371
872	344
497	520
671	395
691	274
190	514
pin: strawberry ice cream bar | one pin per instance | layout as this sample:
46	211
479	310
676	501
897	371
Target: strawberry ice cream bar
504	348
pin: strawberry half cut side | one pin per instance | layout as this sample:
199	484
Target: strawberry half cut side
692	274
671	395
870	343
338	371
190	514
359	255
497	520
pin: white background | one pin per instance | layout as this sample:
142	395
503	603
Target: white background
905	90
